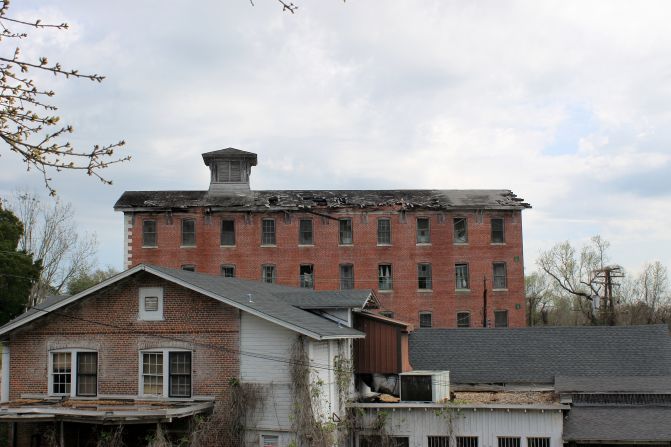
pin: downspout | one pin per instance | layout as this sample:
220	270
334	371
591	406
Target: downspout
484	301
4	391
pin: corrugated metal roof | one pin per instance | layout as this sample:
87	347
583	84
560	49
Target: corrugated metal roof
537	355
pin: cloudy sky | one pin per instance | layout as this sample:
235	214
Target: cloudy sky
566	103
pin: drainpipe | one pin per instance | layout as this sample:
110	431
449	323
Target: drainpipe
4	391
484	301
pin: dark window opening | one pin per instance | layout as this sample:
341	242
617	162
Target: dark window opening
384	231
180	374
228	232
268	232
424	319
87	373
384	277
149	233
305	232
307	276
424	280
423	230
188	232
500	318
498	235
345	232
228	271
460	230
346	276
463	319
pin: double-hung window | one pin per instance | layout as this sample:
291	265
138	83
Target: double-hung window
346	276
384	277
268	232
228	271
268	273
165	373
500	318
73	373
463	319
345	236
227	233
383	232
498	233
460	230
499	275
423	230
305	232
424	319
149	233
424	281
188	232
461	276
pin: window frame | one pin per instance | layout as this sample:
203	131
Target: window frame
154	233
425	314
268	237
467	441
426	238
509	441
538	441
455	223
227	266
426	276
342	232
438	441
346	282
165	372
223	243
74	371
184	243
273	276
306	280
382	279
460	320
457	266
384	234
305	235
271	437
499	277
501	312
497	236
150	315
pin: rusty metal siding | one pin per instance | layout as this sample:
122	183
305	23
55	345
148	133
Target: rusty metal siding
380	351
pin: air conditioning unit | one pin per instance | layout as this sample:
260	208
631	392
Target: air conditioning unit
425	386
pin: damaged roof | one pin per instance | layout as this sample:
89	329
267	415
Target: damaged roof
279	200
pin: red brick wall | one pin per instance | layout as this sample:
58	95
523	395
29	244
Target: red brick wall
326	255
191	321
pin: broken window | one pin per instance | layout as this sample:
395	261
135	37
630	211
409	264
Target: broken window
500	318
305	232
307	276
229	172
498	235
423	230
424	281
424	319
228	271
268	273
345	231
463	319
227	232
268	232
149	233
346	276
384	277
460	230
188	232
499	275
383	231
461	276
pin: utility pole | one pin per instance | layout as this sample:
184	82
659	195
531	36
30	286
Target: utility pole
604	277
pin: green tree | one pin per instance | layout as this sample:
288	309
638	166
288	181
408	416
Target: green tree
84	280
18	271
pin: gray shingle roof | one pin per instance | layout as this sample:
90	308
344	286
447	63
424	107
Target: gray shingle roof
537	355
435	199
618	424
613	384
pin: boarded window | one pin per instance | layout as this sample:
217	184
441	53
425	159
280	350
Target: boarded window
268	273
461	276
463	319
345	231
508	441
180	374
87	373
149	233
424	280
423	230
498	234
460	230
425	319
500	318
305	232
228	271
499	274
346	276
268	232
384	231
229	172
228	232
307	276
384	277
188	232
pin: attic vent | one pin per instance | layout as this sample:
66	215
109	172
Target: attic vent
229	172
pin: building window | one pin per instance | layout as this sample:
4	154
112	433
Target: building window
307	280
387	313
460	230
268	273
500	318
228	271
467	441
305	232
383	231
377	440
439	441
188	232
149	233
424	319
346	276
384	277
498	234
74	373
229	172
499	275
424	281
155	370
423	231
151	303
345	232
268	232
189	267
463	319
508	441
538	442
461	276
227	233
270	441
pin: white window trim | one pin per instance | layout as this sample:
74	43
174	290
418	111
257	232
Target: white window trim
166	372
145	315
73	371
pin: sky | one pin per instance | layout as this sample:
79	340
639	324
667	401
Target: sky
566	103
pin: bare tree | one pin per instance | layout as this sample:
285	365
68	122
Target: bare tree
28	124
539	296
50	235
647	297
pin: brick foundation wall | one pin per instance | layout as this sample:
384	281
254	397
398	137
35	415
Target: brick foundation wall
191	321
405	300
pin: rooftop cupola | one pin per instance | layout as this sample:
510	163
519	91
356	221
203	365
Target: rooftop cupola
229	170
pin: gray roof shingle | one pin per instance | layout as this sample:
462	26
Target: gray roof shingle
618	424
613	384
537	355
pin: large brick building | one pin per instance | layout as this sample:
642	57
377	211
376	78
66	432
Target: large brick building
441	258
